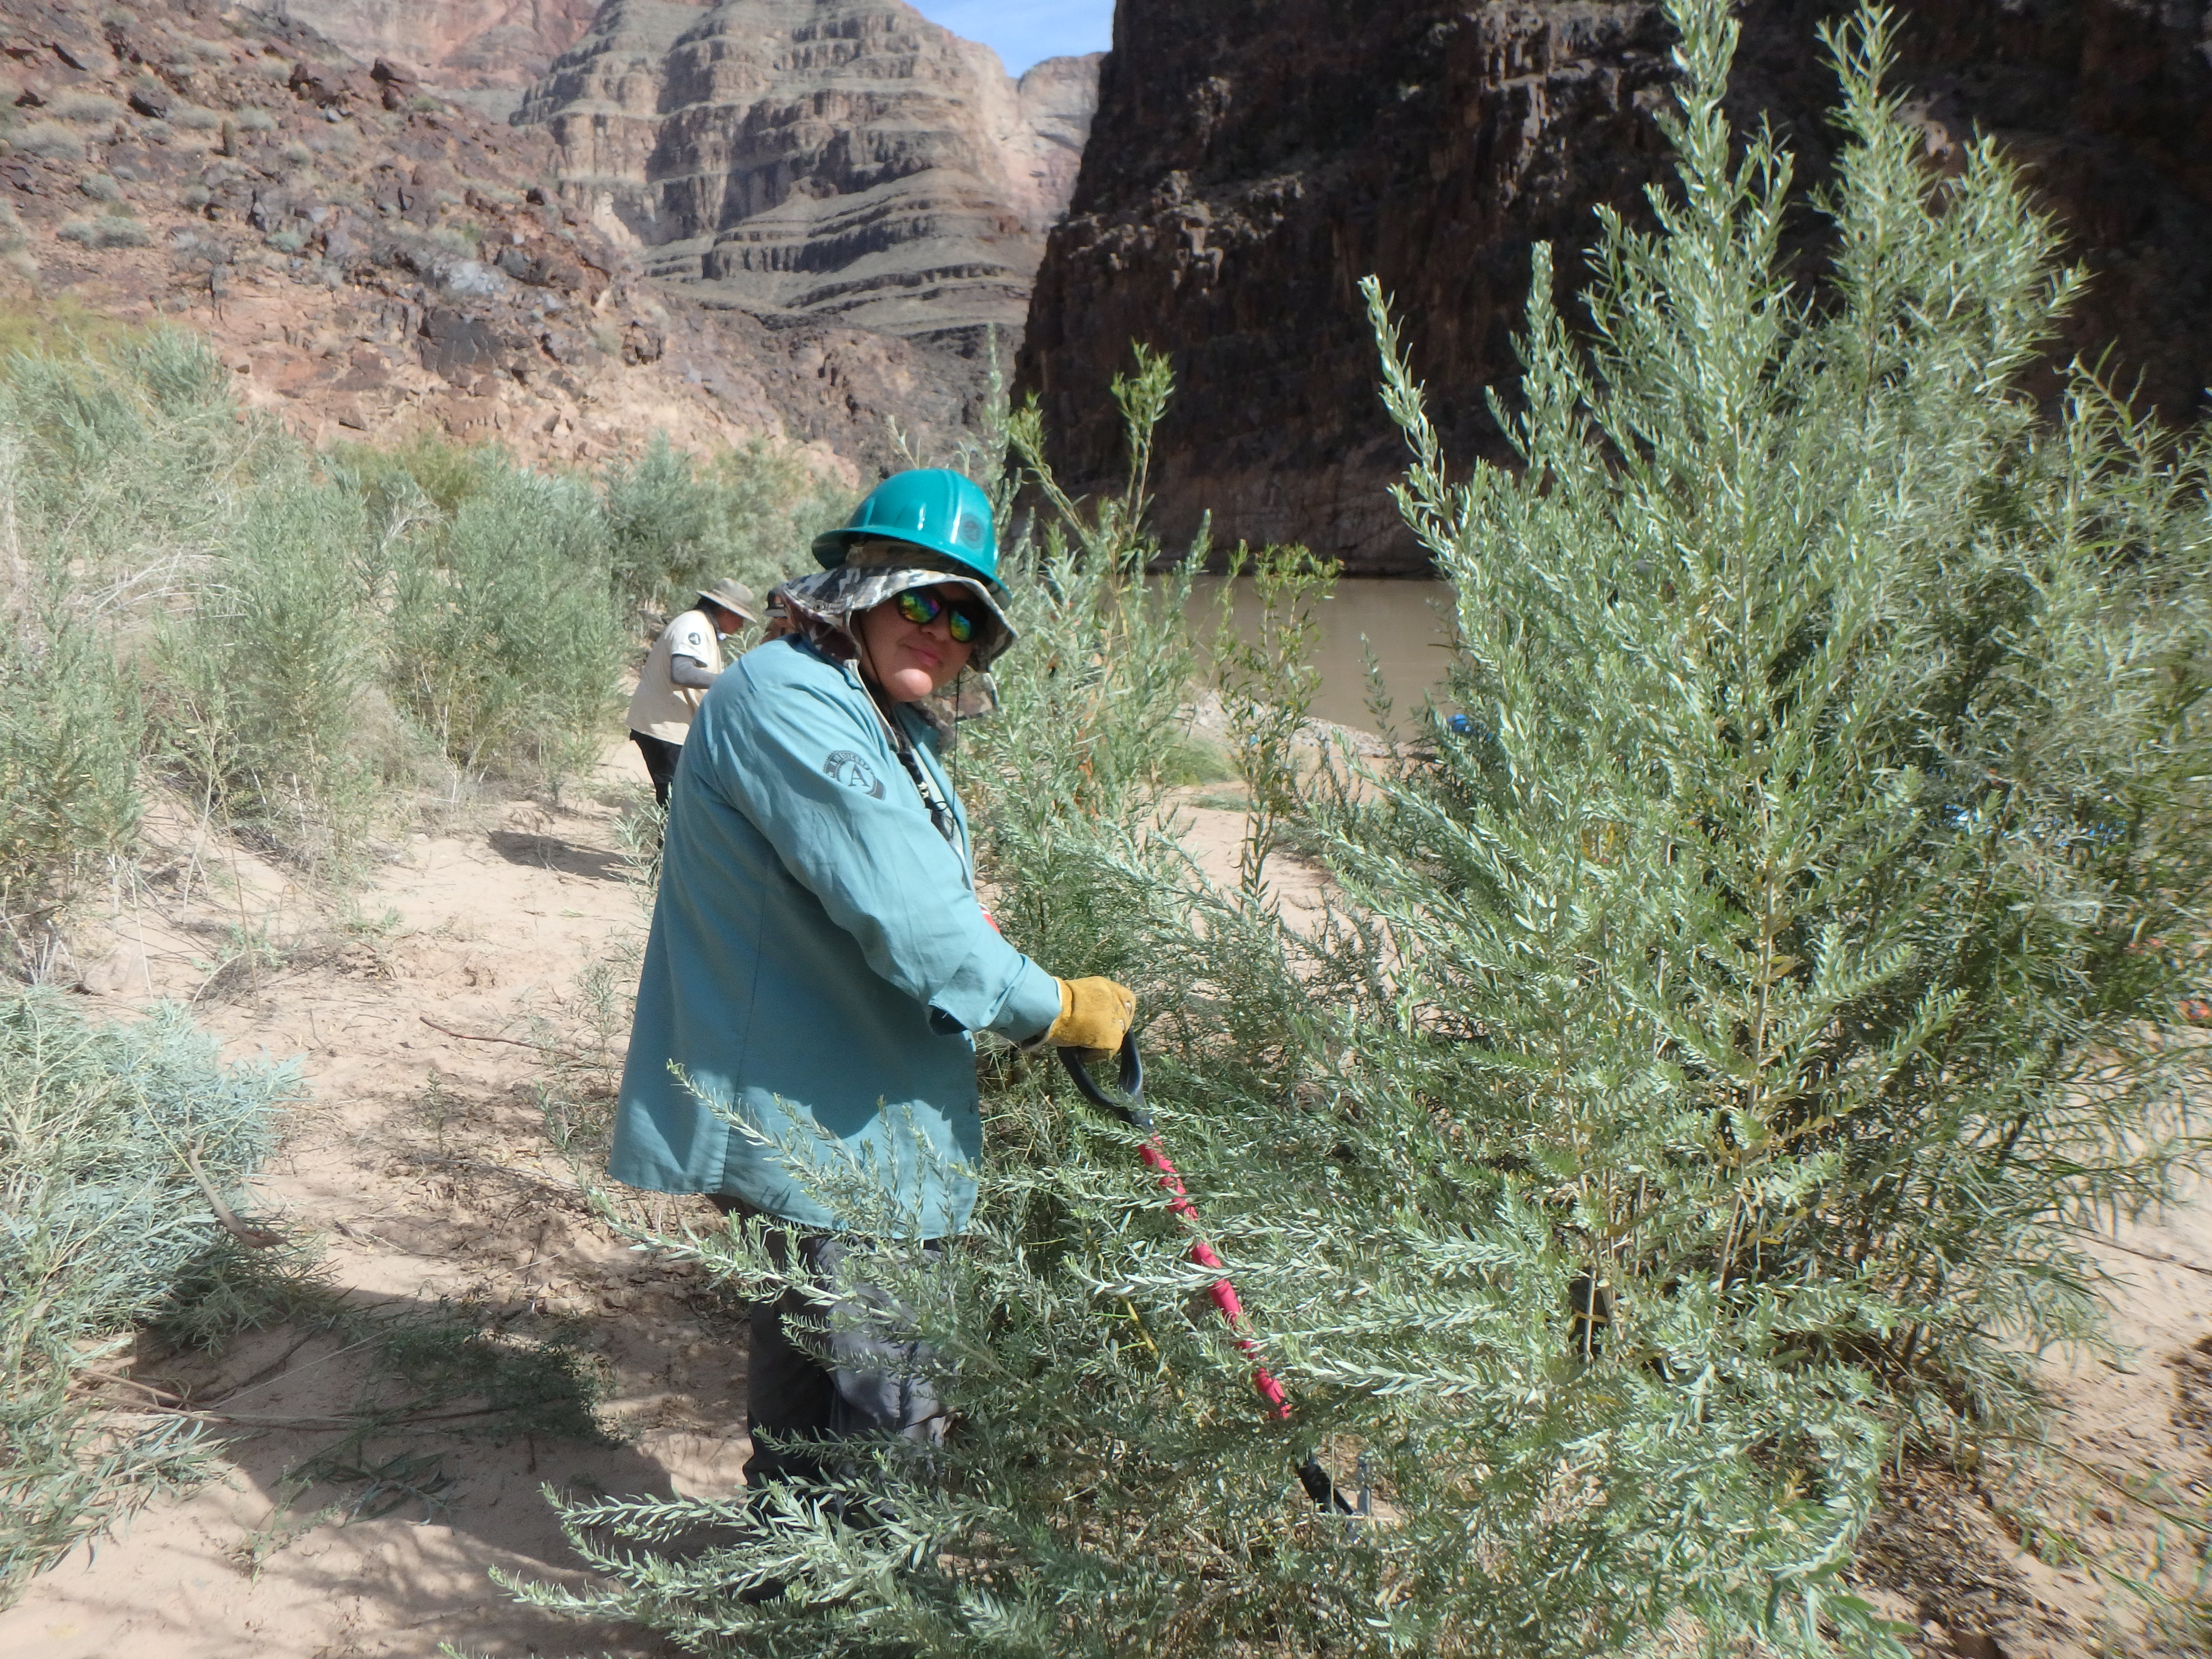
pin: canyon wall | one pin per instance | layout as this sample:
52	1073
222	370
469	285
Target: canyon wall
371	261
830	160
1252	159
489	51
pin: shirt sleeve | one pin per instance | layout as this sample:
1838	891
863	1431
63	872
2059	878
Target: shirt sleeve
689	672
692	637
833	800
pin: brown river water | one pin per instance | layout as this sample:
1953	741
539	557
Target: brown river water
1407	624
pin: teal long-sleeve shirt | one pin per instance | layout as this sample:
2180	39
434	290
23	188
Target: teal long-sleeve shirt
811	918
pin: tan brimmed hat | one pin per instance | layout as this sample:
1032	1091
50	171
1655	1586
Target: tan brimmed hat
735	598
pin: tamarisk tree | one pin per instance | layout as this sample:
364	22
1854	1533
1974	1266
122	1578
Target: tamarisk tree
1791	936
1724	1036
1804	900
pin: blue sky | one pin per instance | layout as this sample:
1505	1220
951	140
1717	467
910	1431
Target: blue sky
1026	32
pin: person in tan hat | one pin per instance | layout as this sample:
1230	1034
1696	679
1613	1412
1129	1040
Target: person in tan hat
683	662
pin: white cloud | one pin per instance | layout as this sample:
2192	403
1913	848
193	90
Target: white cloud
1024	32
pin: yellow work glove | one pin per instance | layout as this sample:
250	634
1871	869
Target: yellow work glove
1094	1017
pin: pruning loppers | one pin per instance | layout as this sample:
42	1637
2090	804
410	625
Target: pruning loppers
1127	1102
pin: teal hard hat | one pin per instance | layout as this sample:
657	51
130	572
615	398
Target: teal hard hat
929	506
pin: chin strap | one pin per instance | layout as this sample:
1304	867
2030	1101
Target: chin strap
933	798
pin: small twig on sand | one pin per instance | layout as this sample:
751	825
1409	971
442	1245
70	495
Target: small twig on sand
167	1396
511	1042
259	1238
450	1613
2158	1256
360	1420
277	1367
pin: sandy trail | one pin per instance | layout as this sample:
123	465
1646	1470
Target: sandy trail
421	1164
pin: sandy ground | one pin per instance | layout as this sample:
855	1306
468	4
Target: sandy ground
421	1165
1949	1561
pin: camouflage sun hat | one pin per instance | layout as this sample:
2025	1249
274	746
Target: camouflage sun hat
735	598
862	583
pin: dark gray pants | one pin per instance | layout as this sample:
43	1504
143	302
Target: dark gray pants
874	1384
660	758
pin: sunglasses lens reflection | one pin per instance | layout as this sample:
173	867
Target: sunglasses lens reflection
921	608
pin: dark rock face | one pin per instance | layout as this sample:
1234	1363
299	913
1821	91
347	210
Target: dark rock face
2107	104
1252	159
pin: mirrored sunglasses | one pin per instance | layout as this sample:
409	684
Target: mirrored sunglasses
922	607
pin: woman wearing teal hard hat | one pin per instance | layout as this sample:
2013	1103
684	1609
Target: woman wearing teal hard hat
819	957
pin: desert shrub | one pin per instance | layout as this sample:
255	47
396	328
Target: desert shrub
104	490
100	1130
1826	857
255	119
197	562
49	140
267	670
1697	1097
70	738
107	231
504	643
295	629
674	525
662	526
85	107
193	118
441	471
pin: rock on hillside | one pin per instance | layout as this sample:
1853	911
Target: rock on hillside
489	51
371	260
843	159
1251	162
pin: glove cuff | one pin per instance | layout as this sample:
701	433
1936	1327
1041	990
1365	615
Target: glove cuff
1043	1039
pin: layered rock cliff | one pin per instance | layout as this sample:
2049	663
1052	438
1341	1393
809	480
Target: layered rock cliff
819	159
1251	160
372	261
489	51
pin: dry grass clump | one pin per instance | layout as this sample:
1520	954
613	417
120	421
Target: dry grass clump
109	230
49	140
85	107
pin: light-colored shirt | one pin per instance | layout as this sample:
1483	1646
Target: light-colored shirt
661	708
817	958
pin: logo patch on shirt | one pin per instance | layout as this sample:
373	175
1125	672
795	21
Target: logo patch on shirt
849	770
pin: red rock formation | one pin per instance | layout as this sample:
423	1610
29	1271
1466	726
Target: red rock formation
372	271
1252	159
843	159
454	45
